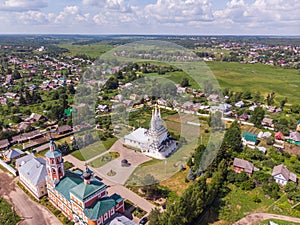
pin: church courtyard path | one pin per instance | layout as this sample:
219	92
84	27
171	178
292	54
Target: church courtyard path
122	173
116	187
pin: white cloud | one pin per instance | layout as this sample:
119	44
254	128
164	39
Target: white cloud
259	12
71	15
179	11
22	5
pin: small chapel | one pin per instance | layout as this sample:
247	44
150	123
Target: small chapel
156	141
79	195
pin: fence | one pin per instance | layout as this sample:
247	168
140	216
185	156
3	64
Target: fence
9	168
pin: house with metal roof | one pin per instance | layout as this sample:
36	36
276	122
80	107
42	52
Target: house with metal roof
80	196
282	175
249	139
13	153
240	165
33	176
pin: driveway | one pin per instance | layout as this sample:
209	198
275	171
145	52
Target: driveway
122	173
30	212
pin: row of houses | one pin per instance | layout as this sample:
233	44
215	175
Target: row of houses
32	135
280	173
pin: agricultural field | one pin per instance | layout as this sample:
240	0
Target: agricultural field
258	77
91	50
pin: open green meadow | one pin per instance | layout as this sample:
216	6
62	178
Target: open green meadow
238	203
258	77
92	50
94	149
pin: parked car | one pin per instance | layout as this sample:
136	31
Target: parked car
143	221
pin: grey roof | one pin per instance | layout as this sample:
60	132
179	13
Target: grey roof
267	121
21	161
119	219
13	153
4	143
281	169
295	136
34	170
246	165
138	135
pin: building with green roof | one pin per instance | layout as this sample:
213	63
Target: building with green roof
249	139
80	196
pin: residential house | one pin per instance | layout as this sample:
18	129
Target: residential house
282	175
33	176
21	138
4	144
240	165
268	122
63	129
213	97
249	139
279	136
298	126
162	101
34	117
102	108
294	137
13	154
239	104
188	106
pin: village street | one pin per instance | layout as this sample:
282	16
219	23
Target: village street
31	213
253	218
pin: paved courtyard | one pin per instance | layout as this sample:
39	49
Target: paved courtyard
122	173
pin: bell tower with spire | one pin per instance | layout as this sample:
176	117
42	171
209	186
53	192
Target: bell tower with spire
55	163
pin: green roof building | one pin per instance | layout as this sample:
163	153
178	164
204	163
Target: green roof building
249	139
80	196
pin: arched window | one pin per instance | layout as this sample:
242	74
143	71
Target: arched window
53	171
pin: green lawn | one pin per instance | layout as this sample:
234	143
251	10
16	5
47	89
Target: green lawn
7	214
101	161
94	149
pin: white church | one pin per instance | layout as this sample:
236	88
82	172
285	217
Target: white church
155	142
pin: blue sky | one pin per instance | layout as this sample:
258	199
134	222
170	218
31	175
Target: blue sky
203	17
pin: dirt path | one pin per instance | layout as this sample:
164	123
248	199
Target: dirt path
30	212
257	217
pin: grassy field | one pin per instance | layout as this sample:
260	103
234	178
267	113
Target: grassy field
101	161
176	183
7	214
92	50
258	77
94	149
239	202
